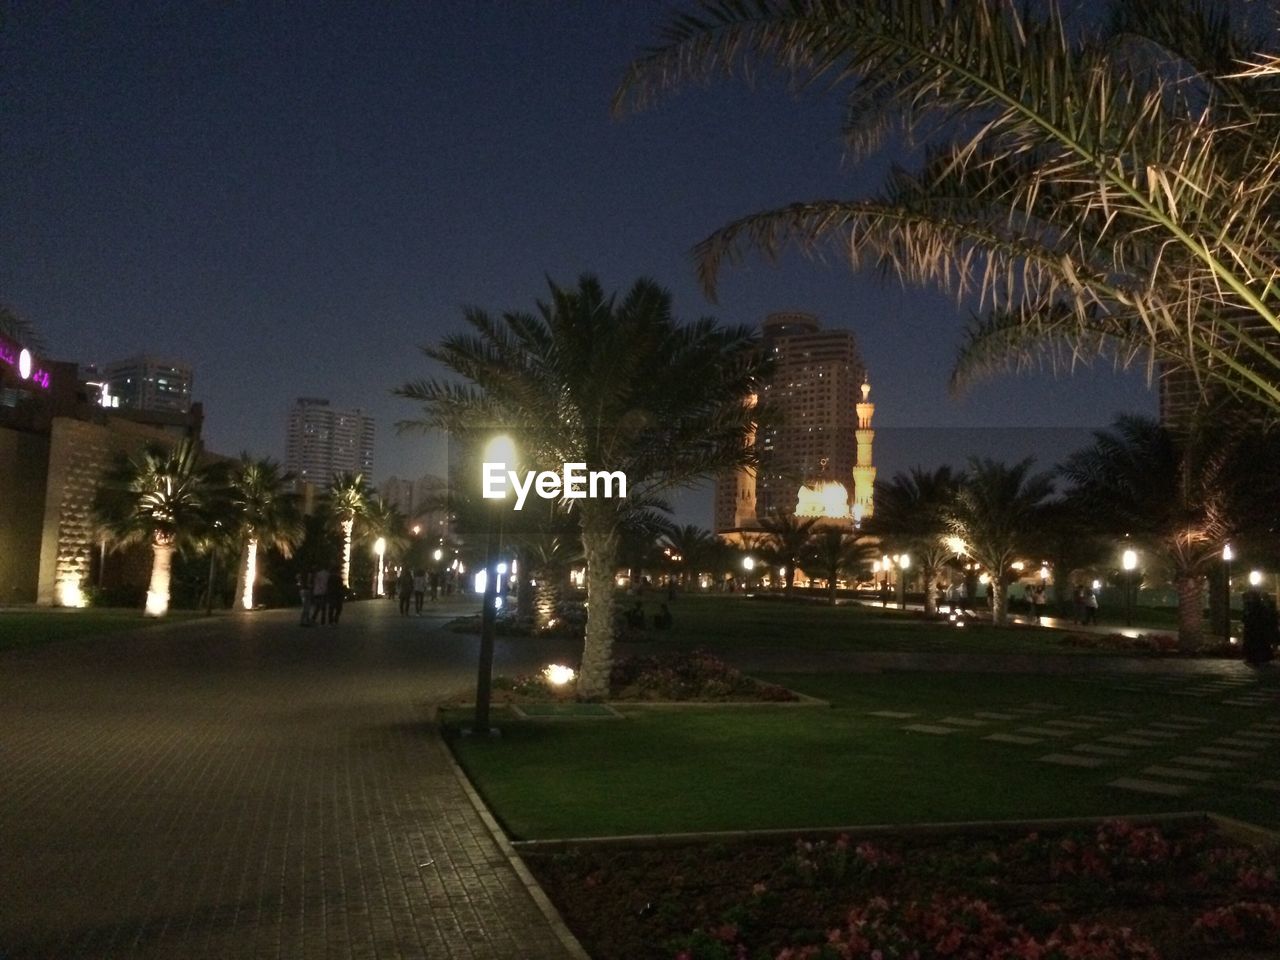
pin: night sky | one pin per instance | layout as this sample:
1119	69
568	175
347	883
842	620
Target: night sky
294	197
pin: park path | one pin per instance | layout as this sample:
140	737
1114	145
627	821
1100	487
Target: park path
245	788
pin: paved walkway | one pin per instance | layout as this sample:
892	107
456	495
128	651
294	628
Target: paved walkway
244	788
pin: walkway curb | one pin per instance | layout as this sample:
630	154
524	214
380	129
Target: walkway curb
549	911
879	829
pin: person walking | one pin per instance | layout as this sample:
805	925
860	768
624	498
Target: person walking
404	590
1090	606
1077	604
304	593
1037	603
337	593
435	585
320	595
419	590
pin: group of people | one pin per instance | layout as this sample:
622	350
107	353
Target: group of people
662	620
322	593
413	586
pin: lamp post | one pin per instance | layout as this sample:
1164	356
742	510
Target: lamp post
1129	561
380	550
1227	556
748	564
499	450
904	562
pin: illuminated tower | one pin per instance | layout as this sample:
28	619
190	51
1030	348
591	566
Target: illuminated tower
735	505
864	474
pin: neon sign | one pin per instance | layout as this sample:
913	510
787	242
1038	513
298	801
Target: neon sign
22	360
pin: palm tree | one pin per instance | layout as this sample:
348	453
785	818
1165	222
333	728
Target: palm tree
1105	187
614	383
163	497
347	500
995	512
380	520
264	511
787	539
689	546
1182	497
911	516
833	553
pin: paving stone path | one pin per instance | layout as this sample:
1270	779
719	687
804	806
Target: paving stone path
1169	756
249	789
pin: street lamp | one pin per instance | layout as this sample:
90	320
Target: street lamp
1227	556
1255	578
437	555
1129	561
500	450
748	564
380	549
904	563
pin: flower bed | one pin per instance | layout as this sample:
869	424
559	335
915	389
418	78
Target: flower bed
1160	644
1117	892
675	677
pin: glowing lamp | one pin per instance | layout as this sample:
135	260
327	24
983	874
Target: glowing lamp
1097	584
1227	553
748	563
904	561
558	674
24	364
437	555
481	580
70	594
1255	577
1130	560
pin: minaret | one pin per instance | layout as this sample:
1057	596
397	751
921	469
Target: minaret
864	474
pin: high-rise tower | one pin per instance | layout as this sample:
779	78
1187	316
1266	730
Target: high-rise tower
864	473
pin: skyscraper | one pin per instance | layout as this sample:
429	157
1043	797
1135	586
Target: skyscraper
816	428
148	383
324	442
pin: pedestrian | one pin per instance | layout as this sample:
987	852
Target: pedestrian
320	595
1090	606
404	590
1077	604
337	593
304	593
419	589
1260	631
435	585
1037	602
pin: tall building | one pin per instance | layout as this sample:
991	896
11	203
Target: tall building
424	503
153	384
814	442
324	442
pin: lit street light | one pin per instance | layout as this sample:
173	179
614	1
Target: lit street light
1129	561
380	550
501	450
904	563
1227	556
1255	578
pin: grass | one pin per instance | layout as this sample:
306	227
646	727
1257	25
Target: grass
724	623
730	769
24	629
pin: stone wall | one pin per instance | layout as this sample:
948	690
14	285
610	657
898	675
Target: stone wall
23	475
80	452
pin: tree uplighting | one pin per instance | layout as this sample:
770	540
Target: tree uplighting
380	549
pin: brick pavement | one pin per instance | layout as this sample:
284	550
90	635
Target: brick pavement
248	789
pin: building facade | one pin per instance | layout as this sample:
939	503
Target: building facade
814	445
323	442
146	383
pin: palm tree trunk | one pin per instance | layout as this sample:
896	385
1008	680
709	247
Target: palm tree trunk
790	579
930	592
347	525
599	544
550	590
524	587
248	574
158	590
831	588
1190	612
999	609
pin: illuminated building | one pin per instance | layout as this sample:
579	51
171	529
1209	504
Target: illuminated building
324	442
152	384
814	444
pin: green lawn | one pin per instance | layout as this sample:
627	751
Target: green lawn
735	768
727	622
28	628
